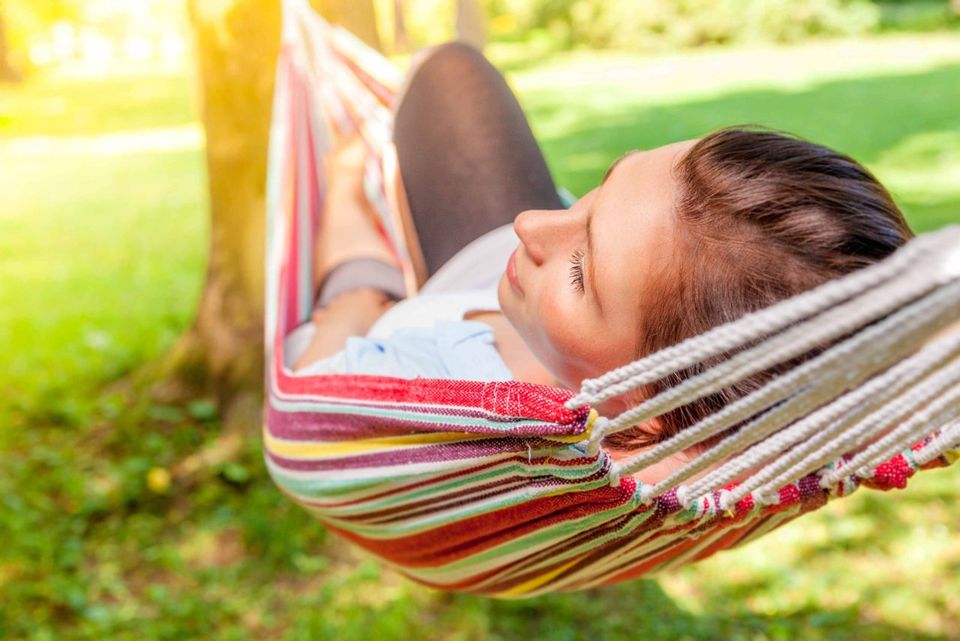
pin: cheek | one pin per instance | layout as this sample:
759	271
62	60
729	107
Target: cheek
557	326
577	344
568	345
560	325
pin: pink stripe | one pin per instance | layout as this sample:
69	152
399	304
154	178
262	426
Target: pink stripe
331	425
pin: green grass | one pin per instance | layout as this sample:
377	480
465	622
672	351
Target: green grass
64	105
101	261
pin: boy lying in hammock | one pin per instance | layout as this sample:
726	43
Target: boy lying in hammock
673	242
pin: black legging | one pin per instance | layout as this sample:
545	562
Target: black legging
468	160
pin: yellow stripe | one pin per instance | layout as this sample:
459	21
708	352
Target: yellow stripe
536	582
952	456
294	449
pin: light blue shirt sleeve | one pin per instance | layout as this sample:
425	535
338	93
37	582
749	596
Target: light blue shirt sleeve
451	349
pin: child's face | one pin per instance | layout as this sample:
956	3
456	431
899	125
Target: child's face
575	287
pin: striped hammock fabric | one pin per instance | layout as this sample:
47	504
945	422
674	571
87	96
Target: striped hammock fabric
489	488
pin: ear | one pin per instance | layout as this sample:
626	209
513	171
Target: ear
617	405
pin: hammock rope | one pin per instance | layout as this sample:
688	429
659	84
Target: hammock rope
830	428
506	488
837	417
836	369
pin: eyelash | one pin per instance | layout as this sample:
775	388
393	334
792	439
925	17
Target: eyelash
576	270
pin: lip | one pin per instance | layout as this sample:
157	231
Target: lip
512	273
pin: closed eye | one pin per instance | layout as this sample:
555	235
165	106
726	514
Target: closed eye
576	271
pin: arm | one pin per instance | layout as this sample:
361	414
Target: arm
350	314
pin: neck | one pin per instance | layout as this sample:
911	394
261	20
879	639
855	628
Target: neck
521	362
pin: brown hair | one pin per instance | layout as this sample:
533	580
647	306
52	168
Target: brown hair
760	216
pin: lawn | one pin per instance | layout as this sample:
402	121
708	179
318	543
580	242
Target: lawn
102	238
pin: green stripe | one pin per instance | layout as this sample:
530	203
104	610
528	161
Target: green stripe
319	488
514	469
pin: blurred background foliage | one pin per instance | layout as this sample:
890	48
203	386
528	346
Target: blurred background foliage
44	32
659	24
51	33
123	516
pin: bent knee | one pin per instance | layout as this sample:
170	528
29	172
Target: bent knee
451	60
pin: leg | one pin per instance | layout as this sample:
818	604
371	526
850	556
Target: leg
468	160
349	251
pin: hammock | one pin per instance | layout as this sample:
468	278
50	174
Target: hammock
504	488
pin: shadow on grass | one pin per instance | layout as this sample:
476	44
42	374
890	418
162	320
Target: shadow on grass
865	117
641	610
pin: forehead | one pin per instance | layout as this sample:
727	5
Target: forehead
639	193
634	220
667	154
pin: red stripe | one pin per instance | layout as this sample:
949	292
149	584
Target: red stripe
512	399
471	536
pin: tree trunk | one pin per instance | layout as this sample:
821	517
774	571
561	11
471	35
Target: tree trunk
356	15
236	47
401	37
237	42
8	73
471	23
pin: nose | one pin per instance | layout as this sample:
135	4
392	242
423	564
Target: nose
544	231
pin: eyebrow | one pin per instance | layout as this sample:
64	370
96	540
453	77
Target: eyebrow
615	163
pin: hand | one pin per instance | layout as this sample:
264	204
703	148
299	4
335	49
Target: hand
350	314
